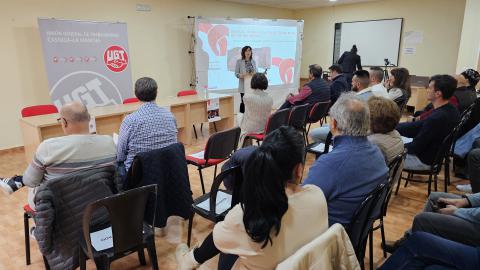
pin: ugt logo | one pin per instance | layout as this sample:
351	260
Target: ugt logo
115	58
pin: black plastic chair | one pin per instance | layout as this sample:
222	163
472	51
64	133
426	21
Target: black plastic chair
317	113
326	149
442	155
394	173
219	147
276	120
362	221
129	232
456	134
298	116
212	214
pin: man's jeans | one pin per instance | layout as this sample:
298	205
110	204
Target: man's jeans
427	251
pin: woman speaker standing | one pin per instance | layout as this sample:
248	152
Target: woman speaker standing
244	70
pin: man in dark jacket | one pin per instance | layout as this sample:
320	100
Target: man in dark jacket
339	83
316	90
428	134
350	62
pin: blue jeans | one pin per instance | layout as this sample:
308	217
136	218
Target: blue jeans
427	251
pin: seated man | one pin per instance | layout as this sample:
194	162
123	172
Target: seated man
316	90
458	220
55	157
360	84
355	167
339	83
150	127
376	78
429	133
428	251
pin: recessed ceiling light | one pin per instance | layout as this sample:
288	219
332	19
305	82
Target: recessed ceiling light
332	0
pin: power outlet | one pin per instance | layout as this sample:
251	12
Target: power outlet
143	7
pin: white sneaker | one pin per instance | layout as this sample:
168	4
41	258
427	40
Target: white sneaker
464	188
185	259
9	185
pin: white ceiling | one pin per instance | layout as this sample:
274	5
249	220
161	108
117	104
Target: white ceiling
296	4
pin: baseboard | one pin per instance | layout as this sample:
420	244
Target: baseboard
16	149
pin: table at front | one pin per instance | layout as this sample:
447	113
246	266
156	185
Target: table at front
187	110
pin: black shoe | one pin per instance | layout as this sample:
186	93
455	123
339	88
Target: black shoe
391	247
9	185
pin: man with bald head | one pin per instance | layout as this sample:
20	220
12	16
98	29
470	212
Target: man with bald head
55	157
354	167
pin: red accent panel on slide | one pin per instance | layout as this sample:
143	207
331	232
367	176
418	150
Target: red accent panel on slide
285	68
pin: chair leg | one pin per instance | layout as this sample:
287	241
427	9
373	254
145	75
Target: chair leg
45	262
195	132
102	263
215	172
201	128
435	178
308	131
370	248
447	174
152	254
141	256
201	179
27	238
398	184
258	142
215	126
429	184
82	259
382	232
190	225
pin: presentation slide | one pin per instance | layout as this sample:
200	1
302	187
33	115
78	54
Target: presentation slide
276	48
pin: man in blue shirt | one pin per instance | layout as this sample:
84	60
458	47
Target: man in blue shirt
150	127
355	167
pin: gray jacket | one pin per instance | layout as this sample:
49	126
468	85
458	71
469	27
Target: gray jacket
241	69
59	212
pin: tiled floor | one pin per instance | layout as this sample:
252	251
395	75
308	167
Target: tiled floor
12	256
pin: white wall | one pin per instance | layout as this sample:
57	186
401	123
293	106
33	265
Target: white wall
440	21
469	51
158	41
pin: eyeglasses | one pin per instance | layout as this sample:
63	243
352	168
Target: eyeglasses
59	120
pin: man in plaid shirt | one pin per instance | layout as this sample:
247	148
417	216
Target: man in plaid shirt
150	127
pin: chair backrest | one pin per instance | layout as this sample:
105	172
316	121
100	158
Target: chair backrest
126	212
222	144
39	110
276	120
363	219
457	131
298	116
395	168
183	93
234	173
131	100
318	111
448	144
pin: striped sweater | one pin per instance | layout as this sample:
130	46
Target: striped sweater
59	156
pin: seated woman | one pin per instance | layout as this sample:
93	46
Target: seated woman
384	117
258	107
398	86
464	96
269	224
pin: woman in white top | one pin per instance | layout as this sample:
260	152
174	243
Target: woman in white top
276	215
244	69
398	86
258	106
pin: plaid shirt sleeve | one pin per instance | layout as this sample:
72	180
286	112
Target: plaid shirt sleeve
123	137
